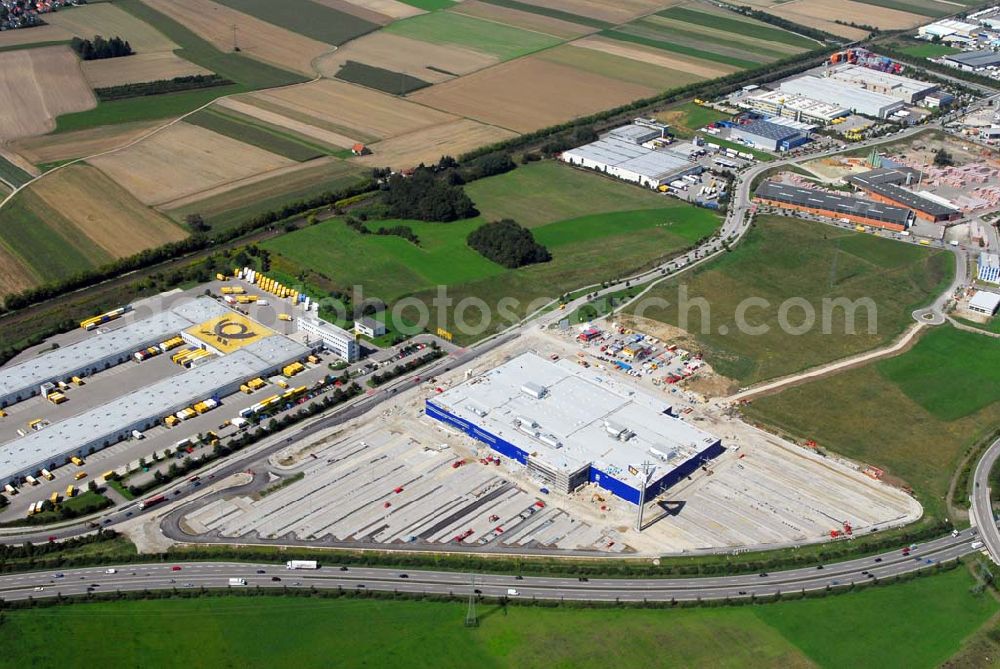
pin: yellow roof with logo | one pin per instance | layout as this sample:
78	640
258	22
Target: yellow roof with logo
230	332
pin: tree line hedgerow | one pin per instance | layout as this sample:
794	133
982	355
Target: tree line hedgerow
160	87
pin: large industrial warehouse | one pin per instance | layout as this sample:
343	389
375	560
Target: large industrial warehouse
106	425
795	107
624	153
570	426
771	136
834	206
97	353
234	349
858	100
883	185
895	86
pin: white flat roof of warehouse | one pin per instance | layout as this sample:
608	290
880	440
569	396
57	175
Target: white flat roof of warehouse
153	401
836	92
802	103
62	361
628	156
578	408
985	300
857	72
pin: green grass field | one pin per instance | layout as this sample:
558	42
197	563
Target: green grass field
559	203
33	45
312	19
738	26
282	143
29	231
250	73
13	174
868	628
950	373
686	118
740	45
579	19
783	258
929	50
429	5
865	415
491	38
394	83
146	108
922	7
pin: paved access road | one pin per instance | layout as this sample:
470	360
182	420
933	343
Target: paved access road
982	508
162	576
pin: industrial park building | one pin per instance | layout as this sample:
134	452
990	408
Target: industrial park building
895	86
988	267
339	341
835	92
947	28
834	206
795	107
111	423
770	136
984	302
625	153
883	185
101	351
974	61
569	426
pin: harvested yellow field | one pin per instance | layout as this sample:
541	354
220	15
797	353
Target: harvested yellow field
81	143
182	160
358	10
108	20
612	11
402	54
530	93
651	56
427	145
257	39
240	193
36	86
36	35
527	20
103	212
15	275
138	68
369	112
390	8
859	12
281	121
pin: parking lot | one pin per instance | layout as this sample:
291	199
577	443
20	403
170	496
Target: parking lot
761	492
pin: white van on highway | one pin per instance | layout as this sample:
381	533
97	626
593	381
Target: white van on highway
976	545
512	592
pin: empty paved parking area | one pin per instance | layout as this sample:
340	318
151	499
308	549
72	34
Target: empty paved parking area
384	487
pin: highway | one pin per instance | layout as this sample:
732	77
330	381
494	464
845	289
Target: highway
167	576
982	508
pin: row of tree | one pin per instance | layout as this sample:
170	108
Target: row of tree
100	48
160	87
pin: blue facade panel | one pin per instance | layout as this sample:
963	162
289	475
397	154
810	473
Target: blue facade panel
672	478
501	446
613	485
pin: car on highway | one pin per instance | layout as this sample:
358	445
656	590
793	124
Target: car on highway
275	578
261	571
175	568
762	574
39	588
404	576
58	575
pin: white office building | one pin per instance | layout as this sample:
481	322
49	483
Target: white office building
342	343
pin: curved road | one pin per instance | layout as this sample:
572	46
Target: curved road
982	508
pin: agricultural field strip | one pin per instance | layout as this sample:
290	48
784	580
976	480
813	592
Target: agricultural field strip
249	132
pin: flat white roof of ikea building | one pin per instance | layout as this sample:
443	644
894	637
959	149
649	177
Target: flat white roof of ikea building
837	92
579	410
153	402
624	155
62	362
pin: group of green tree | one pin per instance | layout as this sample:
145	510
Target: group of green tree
507	243
100	48
425	196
